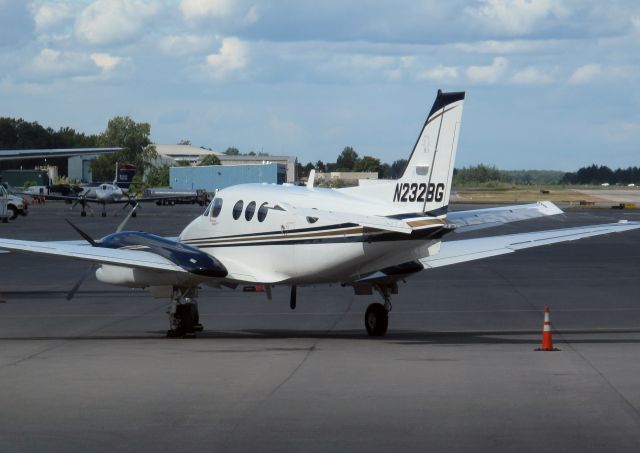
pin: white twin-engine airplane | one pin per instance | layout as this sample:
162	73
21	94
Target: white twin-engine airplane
368	237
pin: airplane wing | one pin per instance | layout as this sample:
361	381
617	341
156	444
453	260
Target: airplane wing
486	218
453	252
464	250
118	257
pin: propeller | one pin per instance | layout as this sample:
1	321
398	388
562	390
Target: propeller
132	213
80	281
93	243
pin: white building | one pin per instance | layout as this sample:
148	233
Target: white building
171	154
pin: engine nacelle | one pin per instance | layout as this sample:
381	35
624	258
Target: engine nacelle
142	278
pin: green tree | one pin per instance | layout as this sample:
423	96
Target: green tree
211	159
158	176
184	142
232	151
368	164
398	167
135	140
347	159
320	166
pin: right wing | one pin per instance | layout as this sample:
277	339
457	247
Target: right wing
490	217
118	257
453	252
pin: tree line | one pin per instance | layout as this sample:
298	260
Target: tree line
121	131
601	174
134	138
349	160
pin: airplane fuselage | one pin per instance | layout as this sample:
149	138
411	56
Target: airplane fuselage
285	244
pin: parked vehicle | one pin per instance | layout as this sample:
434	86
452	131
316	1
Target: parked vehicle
17	204
178	196
4	212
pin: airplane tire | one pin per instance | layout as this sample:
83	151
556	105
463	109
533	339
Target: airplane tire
134	214
83	214
104	214
376	320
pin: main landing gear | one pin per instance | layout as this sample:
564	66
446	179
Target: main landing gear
376	318
184	319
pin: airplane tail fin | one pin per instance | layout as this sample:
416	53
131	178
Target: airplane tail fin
425	185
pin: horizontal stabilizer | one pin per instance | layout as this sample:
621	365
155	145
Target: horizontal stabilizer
477	219
369	221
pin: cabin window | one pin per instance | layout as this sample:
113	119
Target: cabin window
262	212
237	209
217	207
251	208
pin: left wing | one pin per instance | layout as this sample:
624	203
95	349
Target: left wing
453	252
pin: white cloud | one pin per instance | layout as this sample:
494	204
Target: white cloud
440	73
48	16
531	76
53	63
516	46
193	9
105	61
594	72
186	44
488	74
516	17
113	21
233	55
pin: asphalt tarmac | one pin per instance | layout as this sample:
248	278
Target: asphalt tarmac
456	372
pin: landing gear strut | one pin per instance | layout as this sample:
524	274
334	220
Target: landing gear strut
376	318
184	319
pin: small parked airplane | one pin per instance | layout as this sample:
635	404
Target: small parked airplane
104	194
369	237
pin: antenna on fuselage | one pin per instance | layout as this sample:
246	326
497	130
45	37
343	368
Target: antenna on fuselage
312	179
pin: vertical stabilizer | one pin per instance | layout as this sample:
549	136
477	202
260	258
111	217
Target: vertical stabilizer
425	185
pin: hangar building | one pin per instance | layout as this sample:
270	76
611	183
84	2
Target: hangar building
213	177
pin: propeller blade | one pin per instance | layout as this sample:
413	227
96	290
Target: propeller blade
126	219
88	238
81	280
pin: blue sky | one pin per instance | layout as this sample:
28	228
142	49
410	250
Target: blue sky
550	84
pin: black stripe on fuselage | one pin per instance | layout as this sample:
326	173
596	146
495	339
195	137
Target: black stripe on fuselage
424	234
267	233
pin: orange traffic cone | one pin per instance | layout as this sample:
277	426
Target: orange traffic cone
547	340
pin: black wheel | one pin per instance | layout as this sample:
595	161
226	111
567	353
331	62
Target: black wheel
104	214
134	214
186	315
13	212
83	214
376	320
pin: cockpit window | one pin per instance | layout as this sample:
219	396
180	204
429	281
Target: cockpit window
251	208
217	207
237	209
262	212
208	210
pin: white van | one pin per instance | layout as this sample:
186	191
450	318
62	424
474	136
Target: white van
4	200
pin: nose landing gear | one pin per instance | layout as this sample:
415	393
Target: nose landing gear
184	318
